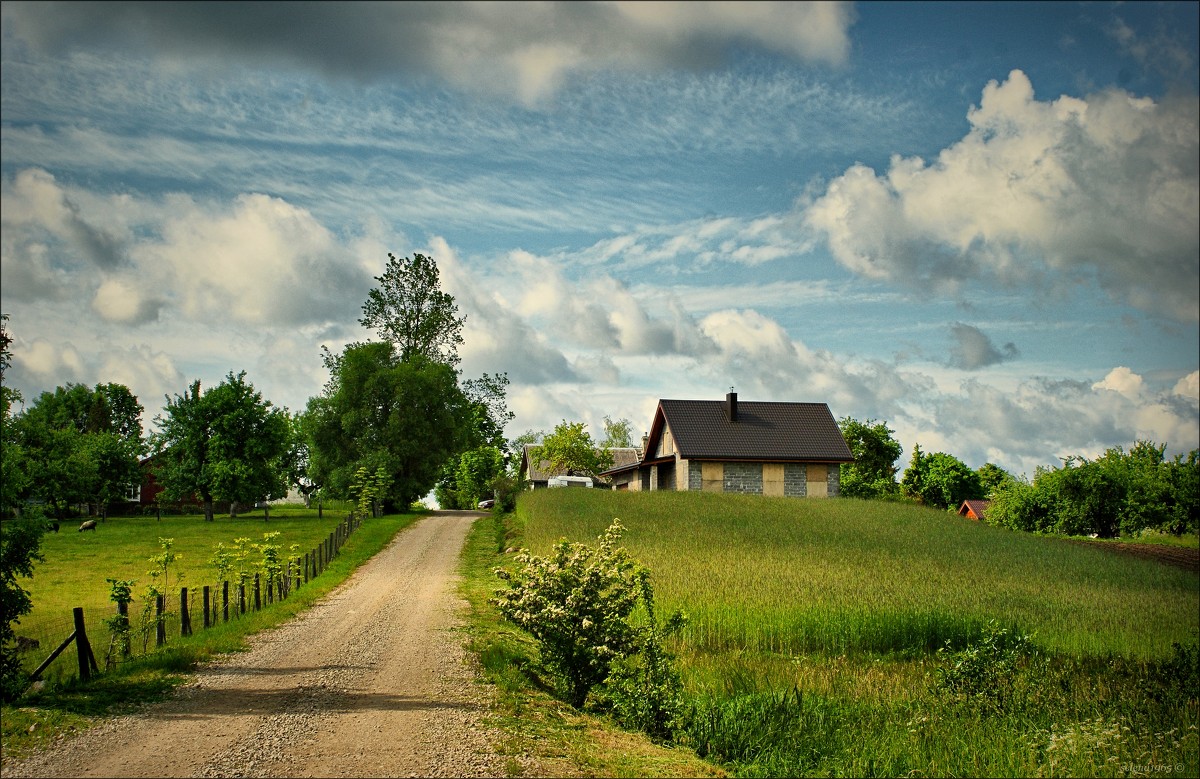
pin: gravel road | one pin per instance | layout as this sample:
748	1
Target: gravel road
372	681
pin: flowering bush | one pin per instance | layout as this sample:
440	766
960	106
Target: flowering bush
577	603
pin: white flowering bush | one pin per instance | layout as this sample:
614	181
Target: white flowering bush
577	603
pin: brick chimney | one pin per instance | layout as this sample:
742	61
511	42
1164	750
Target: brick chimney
645	443
731	406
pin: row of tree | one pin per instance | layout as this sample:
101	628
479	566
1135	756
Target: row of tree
1119	493
395	409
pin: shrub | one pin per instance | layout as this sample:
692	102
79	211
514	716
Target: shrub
986	673
20	544
577	603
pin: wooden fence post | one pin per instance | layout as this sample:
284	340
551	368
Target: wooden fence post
160	633
257	594
185	617
225	599
87	661
306	567
206	607
241	599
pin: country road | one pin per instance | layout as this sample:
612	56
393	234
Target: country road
372	681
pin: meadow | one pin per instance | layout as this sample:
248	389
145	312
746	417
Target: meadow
77	564
845	637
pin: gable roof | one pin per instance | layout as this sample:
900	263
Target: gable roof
975	508
764	431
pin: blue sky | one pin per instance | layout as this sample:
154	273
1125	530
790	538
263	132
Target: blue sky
976	222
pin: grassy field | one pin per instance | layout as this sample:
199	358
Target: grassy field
67	705
77	565
814	625
846	575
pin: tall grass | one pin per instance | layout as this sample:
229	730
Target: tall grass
793	576
810	650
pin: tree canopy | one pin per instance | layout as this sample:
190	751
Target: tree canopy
79	445
410	310
225	444
940	480
873	472
569	449
380	410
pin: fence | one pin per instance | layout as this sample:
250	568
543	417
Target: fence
216	605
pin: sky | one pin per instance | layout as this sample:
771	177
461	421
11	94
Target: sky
975	222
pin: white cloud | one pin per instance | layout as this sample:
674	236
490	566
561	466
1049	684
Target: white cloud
972	349
1122	381
1036	192
1188	386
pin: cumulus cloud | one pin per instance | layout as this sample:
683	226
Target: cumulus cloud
1050	192
521	49
972	349
123	302
35	199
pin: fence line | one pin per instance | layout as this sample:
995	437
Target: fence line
302	570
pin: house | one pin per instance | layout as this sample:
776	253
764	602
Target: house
973	509
760	448
539	474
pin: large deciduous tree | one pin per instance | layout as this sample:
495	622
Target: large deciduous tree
409	309
81	445
873	472
408	416
225	444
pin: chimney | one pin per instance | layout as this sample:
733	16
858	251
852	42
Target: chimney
731	405
645	443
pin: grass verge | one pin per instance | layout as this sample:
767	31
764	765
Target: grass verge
546	737
60	709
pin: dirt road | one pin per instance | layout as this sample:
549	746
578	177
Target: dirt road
372	681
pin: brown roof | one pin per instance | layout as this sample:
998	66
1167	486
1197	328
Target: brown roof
764	431
976	507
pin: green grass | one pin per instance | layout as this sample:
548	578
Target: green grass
66	705
789	576
811	649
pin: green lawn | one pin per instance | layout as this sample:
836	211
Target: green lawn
77	564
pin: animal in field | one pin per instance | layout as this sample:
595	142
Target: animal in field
89	525
26	644
52	526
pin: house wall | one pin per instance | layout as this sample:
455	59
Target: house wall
792	480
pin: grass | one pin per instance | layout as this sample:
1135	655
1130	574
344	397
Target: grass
814	629
77	564
847	575
65	704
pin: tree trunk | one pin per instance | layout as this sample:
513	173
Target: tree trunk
233	509
266	511
208	509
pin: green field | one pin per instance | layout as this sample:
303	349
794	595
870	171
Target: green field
788	576
77	564
811	647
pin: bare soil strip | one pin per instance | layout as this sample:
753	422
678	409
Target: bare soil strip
372	681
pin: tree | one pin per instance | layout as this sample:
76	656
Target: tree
617	434
569	449
992	477
940	480
379	410
20	539
409	310
82	445
873	472
227	444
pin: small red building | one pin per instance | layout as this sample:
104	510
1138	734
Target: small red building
973	509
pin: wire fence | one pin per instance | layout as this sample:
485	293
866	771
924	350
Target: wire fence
104	641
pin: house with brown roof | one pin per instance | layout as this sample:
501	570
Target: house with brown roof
760	448
538	473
